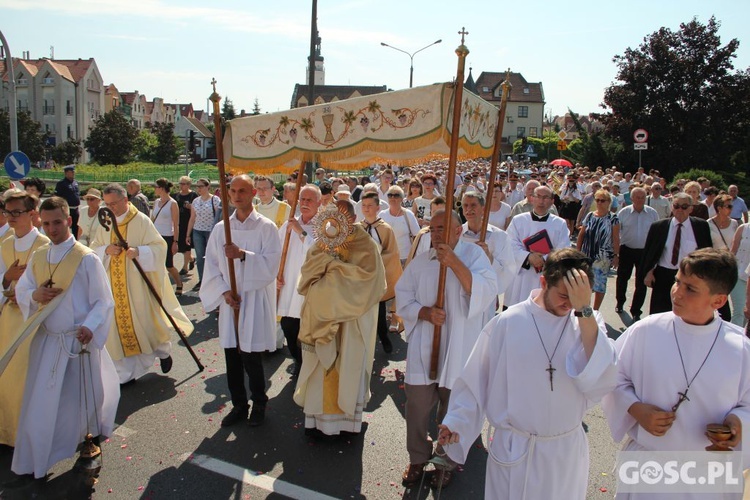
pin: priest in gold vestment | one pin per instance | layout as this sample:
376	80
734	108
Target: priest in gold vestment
342	289
15	252
141	331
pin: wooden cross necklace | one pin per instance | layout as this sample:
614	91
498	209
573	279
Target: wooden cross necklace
683	396
546	353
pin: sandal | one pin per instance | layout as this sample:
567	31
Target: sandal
441	478
178	290
412	474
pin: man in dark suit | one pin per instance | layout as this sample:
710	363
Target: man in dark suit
667	243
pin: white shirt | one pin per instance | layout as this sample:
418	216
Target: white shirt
687	243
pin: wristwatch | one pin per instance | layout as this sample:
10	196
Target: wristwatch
242	259
585	312
303	234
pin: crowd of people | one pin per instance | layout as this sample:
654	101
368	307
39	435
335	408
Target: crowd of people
515	336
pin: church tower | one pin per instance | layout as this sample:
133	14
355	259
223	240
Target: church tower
320	72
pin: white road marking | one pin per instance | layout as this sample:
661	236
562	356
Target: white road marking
249	477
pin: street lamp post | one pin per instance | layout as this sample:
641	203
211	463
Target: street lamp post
411	57
12	111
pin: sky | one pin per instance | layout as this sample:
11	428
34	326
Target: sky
258	50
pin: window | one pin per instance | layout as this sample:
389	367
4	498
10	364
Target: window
68	108
48	108
533	132
523	111
69	132
521	131
526	90
485	89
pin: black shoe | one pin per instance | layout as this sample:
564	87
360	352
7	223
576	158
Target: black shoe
197	286
636	317
233	417
618	308
183	272
191	266
166	364
20	481
257	416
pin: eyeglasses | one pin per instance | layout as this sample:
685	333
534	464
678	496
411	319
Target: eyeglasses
545	197
394	195
684	206
427	184
728	206
114	203
15	213
602	200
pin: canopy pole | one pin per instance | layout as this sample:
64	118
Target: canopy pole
215	99
462	51
495	155
285	248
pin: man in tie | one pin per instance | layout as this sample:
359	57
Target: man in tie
667	243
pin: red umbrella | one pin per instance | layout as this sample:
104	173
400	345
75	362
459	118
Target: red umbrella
561	162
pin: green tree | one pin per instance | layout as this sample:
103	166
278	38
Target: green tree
144	146
256	107
111	139
681	86
227	110
31	139
167	149
67	152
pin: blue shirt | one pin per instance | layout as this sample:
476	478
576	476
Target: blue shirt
738	208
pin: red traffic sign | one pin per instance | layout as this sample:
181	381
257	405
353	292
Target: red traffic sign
640	135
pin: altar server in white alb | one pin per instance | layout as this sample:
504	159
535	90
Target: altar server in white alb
681	370
470	288
57	414
496	245
534	372
256	252
525	225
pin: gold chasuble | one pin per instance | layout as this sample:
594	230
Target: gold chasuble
13	378
338	325
140	325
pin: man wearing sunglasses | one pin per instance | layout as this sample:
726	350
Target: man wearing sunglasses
667	243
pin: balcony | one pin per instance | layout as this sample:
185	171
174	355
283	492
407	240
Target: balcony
48	110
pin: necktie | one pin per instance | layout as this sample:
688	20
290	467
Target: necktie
676	247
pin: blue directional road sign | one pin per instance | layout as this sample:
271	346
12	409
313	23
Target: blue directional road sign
17	164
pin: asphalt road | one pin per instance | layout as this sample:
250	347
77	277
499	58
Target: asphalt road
169	444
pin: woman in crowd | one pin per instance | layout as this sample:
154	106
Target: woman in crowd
403	222
205	214
421	206
599	239
166	218
723	228
741	249
499	210
184	199
414	192
699	209
88	218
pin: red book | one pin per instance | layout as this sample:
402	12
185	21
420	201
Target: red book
539	243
